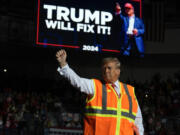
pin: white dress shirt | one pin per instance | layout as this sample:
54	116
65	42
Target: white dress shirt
131	25
87	86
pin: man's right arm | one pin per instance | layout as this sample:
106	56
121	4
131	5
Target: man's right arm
85	85
118	12
118	8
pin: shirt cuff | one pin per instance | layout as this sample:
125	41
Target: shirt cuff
63	69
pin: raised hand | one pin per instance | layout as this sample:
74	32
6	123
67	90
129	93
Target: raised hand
61	56
118	8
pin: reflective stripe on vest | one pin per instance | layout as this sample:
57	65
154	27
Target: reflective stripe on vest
103	111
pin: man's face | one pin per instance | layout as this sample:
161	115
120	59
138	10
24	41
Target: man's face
110	72
129	11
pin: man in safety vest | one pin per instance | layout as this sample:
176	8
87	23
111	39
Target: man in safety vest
112	107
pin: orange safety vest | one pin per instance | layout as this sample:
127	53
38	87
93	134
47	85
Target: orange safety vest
108	114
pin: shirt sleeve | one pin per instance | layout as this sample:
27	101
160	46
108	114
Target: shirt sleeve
85	85
139	121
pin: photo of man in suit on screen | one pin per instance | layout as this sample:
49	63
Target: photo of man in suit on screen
132	30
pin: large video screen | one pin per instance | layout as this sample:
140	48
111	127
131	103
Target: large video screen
87	25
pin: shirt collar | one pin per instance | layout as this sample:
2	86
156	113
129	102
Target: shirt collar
132	17
116	84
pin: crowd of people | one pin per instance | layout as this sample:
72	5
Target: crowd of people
31	112
160	105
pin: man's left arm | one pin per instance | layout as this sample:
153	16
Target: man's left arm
139	27
139	122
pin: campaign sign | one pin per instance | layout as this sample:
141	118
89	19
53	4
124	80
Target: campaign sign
85	25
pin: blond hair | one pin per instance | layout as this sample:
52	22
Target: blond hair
111	59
